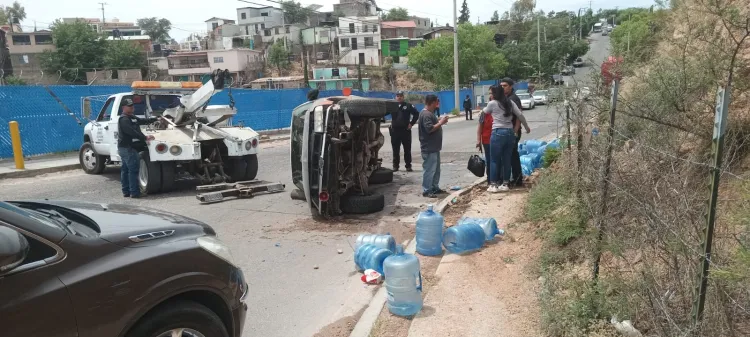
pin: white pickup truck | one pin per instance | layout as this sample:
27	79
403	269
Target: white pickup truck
192	140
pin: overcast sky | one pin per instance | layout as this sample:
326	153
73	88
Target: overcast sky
188	16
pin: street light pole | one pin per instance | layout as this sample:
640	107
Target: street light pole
455	56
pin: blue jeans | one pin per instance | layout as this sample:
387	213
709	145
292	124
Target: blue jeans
487	162
430	172
501	152
129	171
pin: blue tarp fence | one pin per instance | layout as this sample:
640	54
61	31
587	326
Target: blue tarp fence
46	127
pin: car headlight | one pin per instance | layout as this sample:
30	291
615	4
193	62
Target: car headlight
216	247
318	119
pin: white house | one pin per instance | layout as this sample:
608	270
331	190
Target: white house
254	20
359	40
215	22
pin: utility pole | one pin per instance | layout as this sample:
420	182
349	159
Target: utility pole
455	56
545	33
539	47
102	9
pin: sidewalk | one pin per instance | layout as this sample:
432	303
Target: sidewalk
44	164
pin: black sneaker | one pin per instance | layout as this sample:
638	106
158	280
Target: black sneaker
440	191
395	168
126	195
408	169
429	195
136	196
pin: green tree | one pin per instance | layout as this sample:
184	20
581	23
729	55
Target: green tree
15	10
495	16
396	14
78	49
157	29
278	56
478	53
13	80
294	12
464	16
124	54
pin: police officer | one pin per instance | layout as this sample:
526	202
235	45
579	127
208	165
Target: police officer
131	140
400	130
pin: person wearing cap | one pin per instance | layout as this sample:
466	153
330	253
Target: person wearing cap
402	122
130	139
515	161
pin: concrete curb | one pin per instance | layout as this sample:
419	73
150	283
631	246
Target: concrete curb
367	321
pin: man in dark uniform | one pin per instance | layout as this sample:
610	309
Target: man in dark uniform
515	161
130	140
467	108
400	130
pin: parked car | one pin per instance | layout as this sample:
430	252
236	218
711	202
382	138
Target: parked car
522	91
568	70
578	62
605	32
527	102
540	97
558	80
335	144
609	28
100	269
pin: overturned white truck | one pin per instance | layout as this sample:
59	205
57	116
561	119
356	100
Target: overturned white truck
192	139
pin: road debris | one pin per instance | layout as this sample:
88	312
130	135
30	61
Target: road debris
241	189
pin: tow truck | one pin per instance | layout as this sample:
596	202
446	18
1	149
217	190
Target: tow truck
192	139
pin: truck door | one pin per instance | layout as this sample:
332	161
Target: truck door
100	128
111	130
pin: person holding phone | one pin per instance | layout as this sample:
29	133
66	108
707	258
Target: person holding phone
431	143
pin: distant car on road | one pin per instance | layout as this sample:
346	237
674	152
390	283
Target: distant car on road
605	32
558	80
540	97
522	91
578	62
115	270
527	102
609	28
568	70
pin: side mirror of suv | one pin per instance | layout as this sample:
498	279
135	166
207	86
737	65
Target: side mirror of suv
13	249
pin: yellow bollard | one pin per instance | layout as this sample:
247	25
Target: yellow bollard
15	139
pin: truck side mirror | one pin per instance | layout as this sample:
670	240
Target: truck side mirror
13	249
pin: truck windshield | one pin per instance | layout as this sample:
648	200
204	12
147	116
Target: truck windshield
159	103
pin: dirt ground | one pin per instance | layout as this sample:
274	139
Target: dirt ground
492	292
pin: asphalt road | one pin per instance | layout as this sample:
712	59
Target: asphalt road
274	240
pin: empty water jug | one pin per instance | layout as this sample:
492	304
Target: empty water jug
371	257
403	284
384	241
532	145
463	238
430	232
489	225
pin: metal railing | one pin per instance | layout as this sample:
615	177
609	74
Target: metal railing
358	30
189	65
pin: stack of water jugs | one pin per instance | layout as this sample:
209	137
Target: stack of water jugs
532	154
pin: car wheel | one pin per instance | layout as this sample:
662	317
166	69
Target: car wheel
380	176
362	204
149	174
91	162
237	169
252	166
364	107
168	170
180	318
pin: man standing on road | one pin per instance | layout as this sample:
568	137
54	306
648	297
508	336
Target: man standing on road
467	108
130	139
431	143
515	161
400	130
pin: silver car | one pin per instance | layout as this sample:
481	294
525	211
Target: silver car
527	102
540	97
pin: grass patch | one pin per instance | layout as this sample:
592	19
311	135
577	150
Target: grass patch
550	156
553	189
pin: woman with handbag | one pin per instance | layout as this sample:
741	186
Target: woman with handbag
484	131
503	138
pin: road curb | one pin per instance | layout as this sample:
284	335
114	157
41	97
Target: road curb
36	172
369	317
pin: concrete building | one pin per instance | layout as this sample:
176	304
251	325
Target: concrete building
398	29
359	40
279	33
321	42
398	48
438	32
336	79
194	42
24	50
287	82
215	22
197	65
423	25
113	27
356	7
142	41
254	20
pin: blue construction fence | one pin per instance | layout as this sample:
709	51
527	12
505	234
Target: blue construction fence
46	127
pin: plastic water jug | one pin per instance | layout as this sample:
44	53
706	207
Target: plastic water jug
542	149
371	257
532	145
489	225
384	241
464	238
430	232
403	283
536	159
555	144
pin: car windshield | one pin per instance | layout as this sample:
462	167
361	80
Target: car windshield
540	93
524	96
66	220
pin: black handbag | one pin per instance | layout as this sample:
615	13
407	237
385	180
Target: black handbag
477	165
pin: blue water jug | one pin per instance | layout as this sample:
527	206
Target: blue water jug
489	225
371	257
527	170
542	149
430	232
384	241
536	159
463	238
555	144
532	145
522	152
403	284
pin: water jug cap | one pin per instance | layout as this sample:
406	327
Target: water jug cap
399	249
429	207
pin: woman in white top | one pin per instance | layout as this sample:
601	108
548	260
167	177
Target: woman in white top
503	138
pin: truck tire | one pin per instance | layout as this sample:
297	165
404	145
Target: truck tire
380	176
168	173
252	166
237	169
364	107
362	204
149	174
91	162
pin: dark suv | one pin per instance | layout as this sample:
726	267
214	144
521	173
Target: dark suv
95	270
335	154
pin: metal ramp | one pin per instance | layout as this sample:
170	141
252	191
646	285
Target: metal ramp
239	190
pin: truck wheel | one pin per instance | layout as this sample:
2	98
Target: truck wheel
149	174
364	107
380	176
91	162
252	166
237	169
168	169
362	204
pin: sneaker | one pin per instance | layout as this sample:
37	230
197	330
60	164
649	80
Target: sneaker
136	196
126	195
440	191
395	168
408	169
429	195
492	189
503	188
